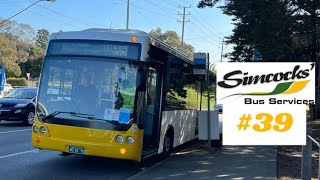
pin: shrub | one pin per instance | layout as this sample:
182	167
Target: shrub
17	81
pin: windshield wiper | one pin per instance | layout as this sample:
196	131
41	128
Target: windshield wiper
64	112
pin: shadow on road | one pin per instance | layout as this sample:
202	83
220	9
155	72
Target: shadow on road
10	123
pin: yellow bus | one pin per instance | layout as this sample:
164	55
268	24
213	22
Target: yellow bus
120	94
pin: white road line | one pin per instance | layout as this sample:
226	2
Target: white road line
15	131
15	154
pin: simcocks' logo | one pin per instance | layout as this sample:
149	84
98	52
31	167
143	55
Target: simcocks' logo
287	87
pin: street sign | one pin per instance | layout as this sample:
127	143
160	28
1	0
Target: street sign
200	58
199	71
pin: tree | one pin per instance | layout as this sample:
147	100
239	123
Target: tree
280	30
15	40
173	39
213	68
8	55
34	63
41	38
20	51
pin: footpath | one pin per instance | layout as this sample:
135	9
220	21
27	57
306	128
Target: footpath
229	162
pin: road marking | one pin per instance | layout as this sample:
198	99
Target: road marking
15	154
15	131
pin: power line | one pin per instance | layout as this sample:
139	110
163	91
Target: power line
206	27
205	39
161	7
201	22
21	11
79	20
49	17
146	18
85	22
207	36
170	3
138	7
207	23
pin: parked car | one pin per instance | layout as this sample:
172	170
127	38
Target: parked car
6	90
218	107
19	105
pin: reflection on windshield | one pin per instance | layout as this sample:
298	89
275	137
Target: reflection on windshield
104	88
22	94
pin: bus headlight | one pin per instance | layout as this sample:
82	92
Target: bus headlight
43	130
119	139
130	140
35	129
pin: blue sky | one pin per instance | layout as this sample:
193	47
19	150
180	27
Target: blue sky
205	30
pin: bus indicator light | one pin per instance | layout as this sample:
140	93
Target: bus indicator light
37	139
123	151
134	39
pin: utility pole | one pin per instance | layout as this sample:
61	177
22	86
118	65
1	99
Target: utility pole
208	91
183	21
222	50
128	5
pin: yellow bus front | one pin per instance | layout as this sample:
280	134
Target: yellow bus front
88	141
90	99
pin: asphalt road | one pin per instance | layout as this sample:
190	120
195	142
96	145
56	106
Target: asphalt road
20	161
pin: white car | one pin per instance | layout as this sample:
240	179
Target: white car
219	107
7	89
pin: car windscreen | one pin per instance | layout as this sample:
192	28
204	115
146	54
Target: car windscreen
22	94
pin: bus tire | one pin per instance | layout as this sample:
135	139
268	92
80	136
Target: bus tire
28	118
168	144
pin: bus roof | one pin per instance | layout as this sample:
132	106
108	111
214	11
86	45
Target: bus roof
122	35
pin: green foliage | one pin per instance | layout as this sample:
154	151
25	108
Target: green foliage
17	81
8	54
173	39
128	101
20	51
34	63
213	68
41	38
272	30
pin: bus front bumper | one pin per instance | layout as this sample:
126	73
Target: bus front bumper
129	152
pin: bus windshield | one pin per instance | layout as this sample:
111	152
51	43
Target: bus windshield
104	89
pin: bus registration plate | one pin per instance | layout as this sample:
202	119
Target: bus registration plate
75	149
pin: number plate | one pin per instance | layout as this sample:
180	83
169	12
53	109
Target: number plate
77	150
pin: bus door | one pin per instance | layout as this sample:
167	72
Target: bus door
152	120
